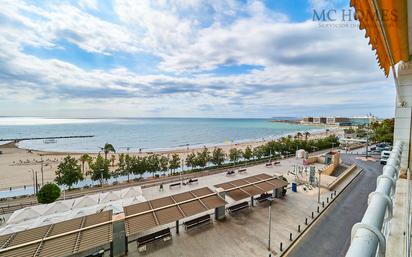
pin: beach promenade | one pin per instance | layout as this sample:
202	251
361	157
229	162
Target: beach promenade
16	165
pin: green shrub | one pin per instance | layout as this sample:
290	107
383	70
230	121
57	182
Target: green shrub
48	193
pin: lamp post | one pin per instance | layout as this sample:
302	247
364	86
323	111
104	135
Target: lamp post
101	177
34	183
270	199
41	169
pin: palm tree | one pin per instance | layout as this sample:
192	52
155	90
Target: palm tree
83	159
107	148
112	159
299	135
307	134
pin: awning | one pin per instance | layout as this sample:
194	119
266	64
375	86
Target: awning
60	239
395	28
161	211
243	188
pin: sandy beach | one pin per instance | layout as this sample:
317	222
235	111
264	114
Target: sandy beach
16	165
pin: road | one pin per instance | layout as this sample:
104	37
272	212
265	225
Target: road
331	235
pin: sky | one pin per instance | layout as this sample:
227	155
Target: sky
187	58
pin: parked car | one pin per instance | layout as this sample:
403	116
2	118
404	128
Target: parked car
384	157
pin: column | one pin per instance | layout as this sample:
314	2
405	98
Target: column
403	111
220	212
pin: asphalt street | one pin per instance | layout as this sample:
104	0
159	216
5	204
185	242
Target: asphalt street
331	235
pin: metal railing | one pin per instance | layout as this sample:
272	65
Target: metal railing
407	237
368	237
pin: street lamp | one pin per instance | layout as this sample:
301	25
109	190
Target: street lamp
101	177
34	183
41	169
270	199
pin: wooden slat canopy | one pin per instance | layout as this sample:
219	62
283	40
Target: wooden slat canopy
60	239
143	216
243	188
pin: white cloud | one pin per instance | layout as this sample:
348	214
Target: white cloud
92	4
300	65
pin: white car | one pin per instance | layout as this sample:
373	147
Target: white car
384	157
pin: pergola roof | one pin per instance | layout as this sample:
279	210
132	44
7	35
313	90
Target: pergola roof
147	215
61	239
250	186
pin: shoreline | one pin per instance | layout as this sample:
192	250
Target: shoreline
314	134
17	165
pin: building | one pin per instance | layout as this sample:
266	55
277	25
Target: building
339	121
391	41
316	120
308	120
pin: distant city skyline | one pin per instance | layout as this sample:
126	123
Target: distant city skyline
228	59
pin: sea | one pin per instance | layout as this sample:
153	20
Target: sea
135	134
145	134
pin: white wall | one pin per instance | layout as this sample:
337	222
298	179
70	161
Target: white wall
403	114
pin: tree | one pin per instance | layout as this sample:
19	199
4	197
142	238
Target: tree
234	155
68	172
121	167
107	148
142	165
349	130
248	153
112	159
190	160
128	165
307	134
174	162
202	158
218	156
361	132
99	169
137	165
163	163
258	152
382	131
83	159
48	193
152	163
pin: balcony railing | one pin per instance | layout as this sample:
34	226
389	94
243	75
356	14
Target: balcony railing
368	236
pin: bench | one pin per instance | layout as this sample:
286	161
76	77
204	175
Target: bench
241	170
195	180
162	235
175	185
238	207
268	164
276	162
190	224
263	197
230	172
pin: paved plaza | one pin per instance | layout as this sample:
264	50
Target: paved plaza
244	233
